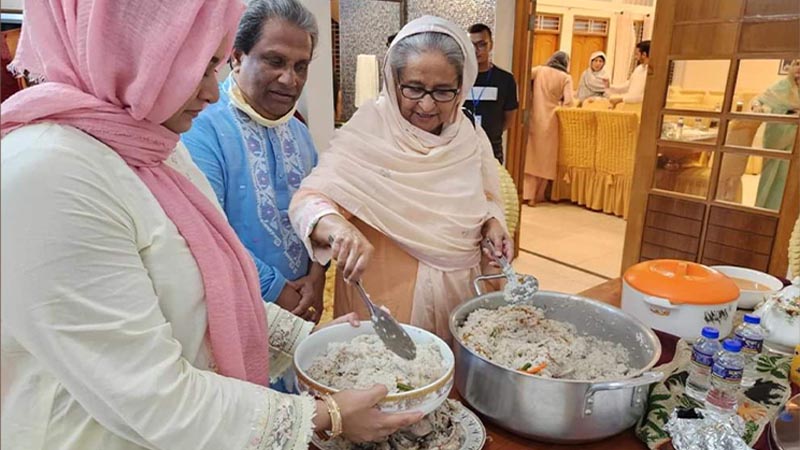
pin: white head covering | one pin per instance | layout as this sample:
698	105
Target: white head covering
592	83
415	138
417	188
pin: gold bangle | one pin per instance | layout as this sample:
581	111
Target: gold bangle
336	418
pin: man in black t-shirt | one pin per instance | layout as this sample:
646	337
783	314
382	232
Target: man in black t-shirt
493	99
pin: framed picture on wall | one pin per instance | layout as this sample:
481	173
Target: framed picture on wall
783	69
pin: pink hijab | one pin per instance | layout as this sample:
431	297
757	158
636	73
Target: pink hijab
117	70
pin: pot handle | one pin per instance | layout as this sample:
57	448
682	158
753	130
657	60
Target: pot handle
644	379
476	283
659	302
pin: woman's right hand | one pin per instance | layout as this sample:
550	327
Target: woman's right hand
350	248
362	421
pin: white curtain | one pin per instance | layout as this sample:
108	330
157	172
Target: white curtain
623	53
367	80
647	29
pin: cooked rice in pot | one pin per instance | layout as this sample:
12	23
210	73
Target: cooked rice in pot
519	337
365	361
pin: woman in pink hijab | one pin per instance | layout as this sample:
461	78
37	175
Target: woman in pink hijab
131	313
409	188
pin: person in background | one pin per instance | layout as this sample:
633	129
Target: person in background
594	80
493	98
632	91
132	316
255	153
408	189
782	97
552	87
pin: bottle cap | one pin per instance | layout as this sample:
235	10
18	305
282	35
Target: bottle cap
710	333
732	345
752	318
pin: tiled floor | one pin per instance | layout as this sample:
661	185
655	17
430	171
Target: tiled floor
571	248
568	247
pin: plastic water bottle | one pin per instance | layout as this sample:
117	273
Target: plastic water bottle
752	337
703	352
726	378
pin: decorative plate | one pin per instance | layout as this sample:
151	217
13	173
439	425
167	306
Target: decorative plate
472	429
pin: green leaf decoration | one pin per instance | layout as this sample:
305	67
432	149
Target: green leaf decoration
777	366
750	430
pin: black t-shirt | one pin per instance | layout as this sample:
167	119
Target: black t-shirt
495	92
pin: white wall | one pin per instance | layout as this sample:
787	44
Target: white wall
504	34
316	103
754	75
11	4
591	8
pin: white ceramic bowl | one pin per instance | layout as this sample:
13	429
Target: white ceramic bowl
425	399
748	299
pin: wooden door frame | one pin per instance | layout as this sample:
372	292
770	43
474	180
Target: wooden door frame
524	15
649	134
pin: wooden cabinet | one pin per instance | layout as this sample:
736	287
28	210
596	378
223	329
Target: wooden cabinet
706	220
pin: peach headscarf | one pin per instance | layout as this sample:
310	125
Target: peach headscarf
117	69
410	184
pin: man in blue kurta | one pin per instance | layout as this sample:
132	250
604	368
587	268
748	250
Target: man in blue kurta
255	152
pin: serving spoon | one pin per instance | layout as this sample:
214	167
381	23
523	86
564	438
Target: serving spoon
393	336
519	287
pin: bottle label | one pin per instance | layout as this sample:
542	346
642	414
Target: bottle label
727	374
701	358
750	345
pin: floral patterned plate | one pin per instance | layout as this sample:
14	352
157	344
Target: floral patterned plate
472	429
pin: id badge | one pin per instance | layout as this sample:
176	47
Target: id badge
477	121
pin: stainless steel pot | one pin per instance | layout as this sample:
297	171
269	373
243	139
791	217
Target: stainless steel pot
558	410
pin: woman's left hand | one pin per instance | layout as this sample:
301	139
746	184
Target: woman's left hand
351	318
494	231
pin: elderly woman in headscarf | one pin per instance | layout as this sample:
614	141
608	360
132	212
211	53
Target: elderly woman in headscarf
783	97
409	188
132	315
552	87
594	80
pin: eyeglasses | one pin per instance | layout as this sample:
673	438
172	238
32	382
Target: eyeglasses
438	95
481	45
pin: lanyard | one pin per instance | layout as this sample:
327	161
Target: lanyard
477	101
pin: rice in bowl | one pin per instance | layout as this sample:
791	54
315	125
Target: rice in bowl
365	361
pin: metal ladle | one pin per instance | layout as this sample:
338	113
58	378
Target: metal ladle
518	287
393	335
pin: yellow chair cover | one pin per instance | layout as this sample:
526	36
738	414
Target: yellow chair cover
508	190
577	134
617	133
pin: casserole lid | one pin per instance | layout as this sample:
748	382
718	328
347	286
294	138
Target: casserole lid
682	282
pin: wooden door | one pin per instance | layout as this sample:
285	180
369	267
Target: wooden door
705	220
544	45
582	48
524	15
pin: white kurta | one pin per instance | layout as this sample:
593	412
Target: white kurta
104	342
633	90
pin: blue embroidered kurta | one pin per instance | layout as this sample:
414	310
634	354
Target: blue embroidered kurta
254	171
